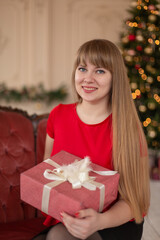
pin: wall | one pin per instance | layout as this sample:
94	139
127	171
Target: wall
39	38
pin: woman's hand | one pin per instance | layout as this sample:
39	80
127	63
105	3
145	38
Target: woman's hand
84	224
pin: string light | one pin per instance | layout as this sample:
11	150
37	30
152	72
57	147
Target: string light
135	24
157	42
137	92
147	122
157	98
158	78
132	24
134	96
155	12
144	77
139	7
141	71
150	40
145	7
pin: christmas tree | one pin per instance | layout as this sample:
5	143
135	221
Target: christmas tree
140	44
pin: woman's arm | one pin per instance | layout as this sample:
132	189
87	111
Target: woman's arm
118	214
89	221
48	146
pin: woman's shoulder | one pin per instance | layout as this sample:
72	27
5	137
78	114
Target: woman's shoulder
63	108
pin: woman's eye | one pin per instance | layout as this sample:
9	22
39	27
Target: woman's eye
81	69
100	71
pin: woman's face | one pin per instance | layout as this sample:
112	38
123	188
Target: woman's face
93	83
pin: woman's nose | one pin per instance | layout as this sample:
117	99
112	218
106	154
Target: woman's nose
89	77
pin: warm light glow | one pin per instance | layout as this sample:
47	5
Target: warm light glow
135	24
139	7
157	98
155	12
145	7
142	108
134	95
145	124
150	40
138	92
157	42
141	71
148	120
158	78
144	76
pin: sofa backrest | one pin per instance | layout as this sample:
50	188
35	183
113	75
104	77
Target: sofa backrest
18	143
40	139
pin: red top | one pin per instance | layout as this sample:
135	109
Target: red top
76	137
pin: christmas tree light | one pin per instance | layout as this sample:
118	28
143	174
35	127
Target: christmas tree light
140	44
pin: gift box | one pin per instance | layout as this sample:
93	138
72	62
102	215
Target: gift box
97	189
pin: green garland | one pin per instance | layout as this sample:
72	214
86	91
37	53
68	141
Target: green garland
34	93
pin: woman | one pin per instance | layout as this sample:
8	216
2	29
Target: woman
104	125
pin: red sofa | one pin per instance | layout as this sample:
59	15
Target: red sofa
22	140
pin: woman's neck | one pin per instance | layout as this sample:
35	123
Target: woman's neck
91	113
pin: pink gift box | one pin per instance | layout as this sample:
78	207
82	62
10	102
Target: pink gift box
63	198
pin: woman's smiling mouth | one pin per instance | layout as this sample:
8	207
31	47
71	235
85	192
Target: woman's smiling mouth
89	89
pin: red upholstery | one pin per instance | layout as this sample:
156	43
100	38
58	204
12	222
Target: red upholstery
18	144
41	134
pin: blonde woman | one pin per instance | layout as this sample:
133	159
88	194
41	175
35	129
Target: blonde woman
104	125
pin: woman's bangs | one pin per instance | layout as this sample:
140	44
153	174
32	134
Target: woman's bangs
97	58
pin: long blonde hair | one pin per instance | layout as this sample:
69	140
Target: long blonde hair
130	155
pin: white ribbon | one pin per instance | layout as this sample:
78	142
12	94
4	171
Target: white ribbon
77	173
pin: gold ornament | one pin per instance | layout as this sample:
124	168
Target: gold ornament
128	58
139	38
125	39
131	52
151	105
133	85
152	18
150	80
142	108
149	68
151	28
152	134
148	50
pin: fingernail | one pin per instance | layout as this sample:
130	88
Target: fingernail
61	214
77	214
